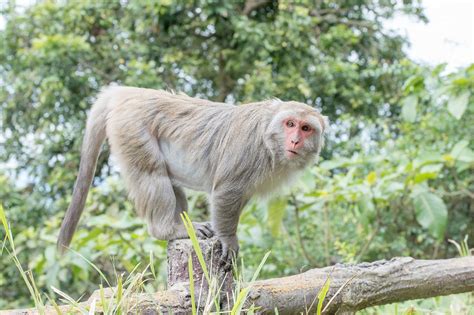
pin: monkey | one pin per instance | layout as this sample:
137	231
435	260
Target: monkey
164	142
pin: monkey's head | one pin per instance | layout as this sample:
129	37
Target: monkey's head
296	133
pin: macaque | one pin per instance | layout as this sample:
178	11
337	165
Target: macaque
164	141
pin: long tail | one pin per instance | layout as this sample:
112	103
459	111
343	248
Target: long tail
94	137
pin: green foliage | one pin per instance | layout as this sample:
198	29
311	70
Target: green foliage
458	104
431	212
276	211
460	304
409	108
8	245
404	191
395	177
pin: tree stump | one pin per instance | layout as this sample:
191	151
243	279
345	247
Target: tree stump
178	273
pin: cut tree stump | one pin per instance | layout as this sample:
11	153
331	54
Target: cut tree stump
178	273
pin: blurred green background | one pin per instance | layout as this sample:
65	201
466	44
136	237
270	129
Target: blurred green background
395	178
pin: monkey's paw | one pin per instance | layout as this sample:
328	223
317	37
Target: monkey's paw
230	250
203	229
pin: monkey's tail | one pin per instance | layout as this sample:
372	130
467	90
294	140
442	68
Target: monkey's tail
94	136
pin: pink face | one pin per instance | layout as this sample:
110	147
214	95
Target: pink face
296	133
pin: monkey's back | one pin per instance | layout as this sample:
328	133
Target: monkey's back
138	117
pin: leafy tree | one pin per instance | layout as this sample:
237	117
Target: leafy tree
402	194
55	57
363	202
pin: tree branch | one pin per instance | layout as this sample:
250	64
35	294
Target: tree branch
377	283
251	5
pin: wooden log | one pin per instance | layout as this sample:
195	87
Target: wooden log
352	287
365	284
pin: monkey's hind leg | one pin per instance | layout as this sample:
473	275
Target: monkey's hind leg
160	203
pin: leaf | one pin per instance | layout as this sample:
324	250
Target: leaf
367	210
371	178
413	83
458	147
409	108
431	213
431	168
466	155
421	177
393	187
275	212
304	88
458	105
428	171
461	152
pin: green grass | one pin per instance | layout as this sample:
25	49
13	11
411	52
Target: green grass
27	275
459	304
117	297
114	300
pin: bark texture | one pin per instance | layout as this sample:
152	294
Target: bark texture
179	252
365	284
178	273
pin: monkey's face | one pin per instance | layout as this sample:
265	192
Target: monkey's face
297	131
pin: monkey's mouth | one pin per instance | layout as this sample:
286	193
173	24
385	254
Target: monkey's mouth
292	153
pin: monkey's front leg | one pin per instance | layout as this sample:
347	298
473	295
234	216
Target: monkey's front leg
226	206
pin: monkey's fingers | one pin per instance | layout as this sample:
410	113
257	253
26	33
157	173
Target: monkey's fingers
204	230
209	230
228	257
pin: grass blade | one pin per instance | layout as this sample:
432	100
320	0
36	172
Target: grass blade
191	284
103	301
27	277
239	302
93	266
55	306
257	272
322	295
119	294
70	300
152	265
192	235
339	291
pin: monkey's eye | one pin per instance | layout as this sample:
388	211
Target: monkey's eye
306	128
290	123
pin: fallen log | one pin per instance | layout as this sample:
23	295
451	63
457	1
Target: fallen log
351	287
355	287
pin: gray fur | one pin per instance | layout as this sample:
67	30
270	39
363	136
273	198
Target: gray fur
164	141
